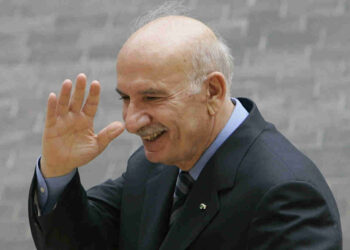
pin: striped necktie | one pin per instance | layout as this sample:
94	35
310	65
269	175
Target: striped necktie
183	185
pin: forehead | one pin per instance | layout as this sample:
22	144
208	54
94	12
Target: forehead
148	58
151	70
145	83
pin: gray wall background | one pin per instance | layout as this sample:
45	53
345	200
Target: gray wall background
292	57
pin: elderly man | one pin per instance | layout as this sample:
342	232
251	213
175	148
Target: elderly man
211	174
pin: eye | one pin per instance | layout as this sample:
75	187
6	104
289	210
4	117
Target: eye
124	98
151	98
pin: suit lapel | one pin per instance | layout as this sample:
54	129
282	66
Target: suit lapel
156	206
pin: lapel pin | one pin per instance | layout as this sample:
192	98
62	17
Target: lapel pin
202	206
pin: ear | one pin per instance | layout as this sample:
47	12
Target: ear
216	92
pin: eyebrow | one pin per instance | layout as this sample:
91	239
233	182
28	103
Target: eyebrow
152	91
149	91
120	92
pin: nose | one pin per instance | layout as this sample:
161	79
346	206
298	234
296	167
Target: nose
135	118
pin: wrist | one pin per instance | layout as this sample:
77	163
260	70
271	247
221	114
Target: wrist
49	171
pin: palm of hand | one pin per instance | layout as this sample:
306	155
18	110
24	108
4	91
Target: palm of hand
69	140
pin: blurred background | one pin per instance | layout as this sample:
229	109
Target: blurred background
292	58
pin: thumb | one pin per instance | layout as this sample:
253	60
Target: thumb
110	132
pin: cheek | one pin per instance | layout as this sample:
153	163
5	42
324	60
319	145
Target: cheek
194	124
183	117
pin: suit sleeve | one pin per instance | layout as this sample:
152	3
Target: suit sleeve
79	220
56	185
294	216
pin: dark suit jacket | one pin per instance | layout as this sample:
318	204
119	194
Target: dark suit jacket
260	193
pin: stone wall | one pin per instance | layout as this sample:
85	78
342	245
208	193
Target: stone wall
292	58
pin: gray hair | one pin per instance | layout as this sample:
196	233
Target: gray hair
206	57
169	8
210	57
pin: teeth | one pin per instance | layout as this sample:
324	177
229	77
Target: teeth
152	136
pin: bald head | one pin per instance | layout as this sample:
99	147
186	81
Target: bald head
172	30
182	43
170	40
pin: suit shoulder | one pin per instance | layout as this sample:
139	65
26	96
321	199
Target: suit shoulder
272	160
274	154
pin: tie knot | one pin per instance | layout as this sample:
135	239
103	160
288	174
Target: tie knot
186	178
183	184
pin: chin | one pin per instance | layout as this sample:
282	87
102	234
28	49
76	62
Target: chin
153	156
157	157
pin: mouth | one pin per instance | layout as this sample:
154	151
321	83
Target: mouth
154	136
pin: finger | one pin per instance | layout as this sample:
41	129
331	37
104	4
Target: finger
91	104
63	99
51	110
78	94
106	135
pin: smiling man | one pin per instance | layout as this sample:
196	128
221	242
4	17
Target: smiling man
176	117
211	174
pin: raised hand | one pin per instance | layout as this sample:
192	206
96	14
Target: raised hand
69	140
